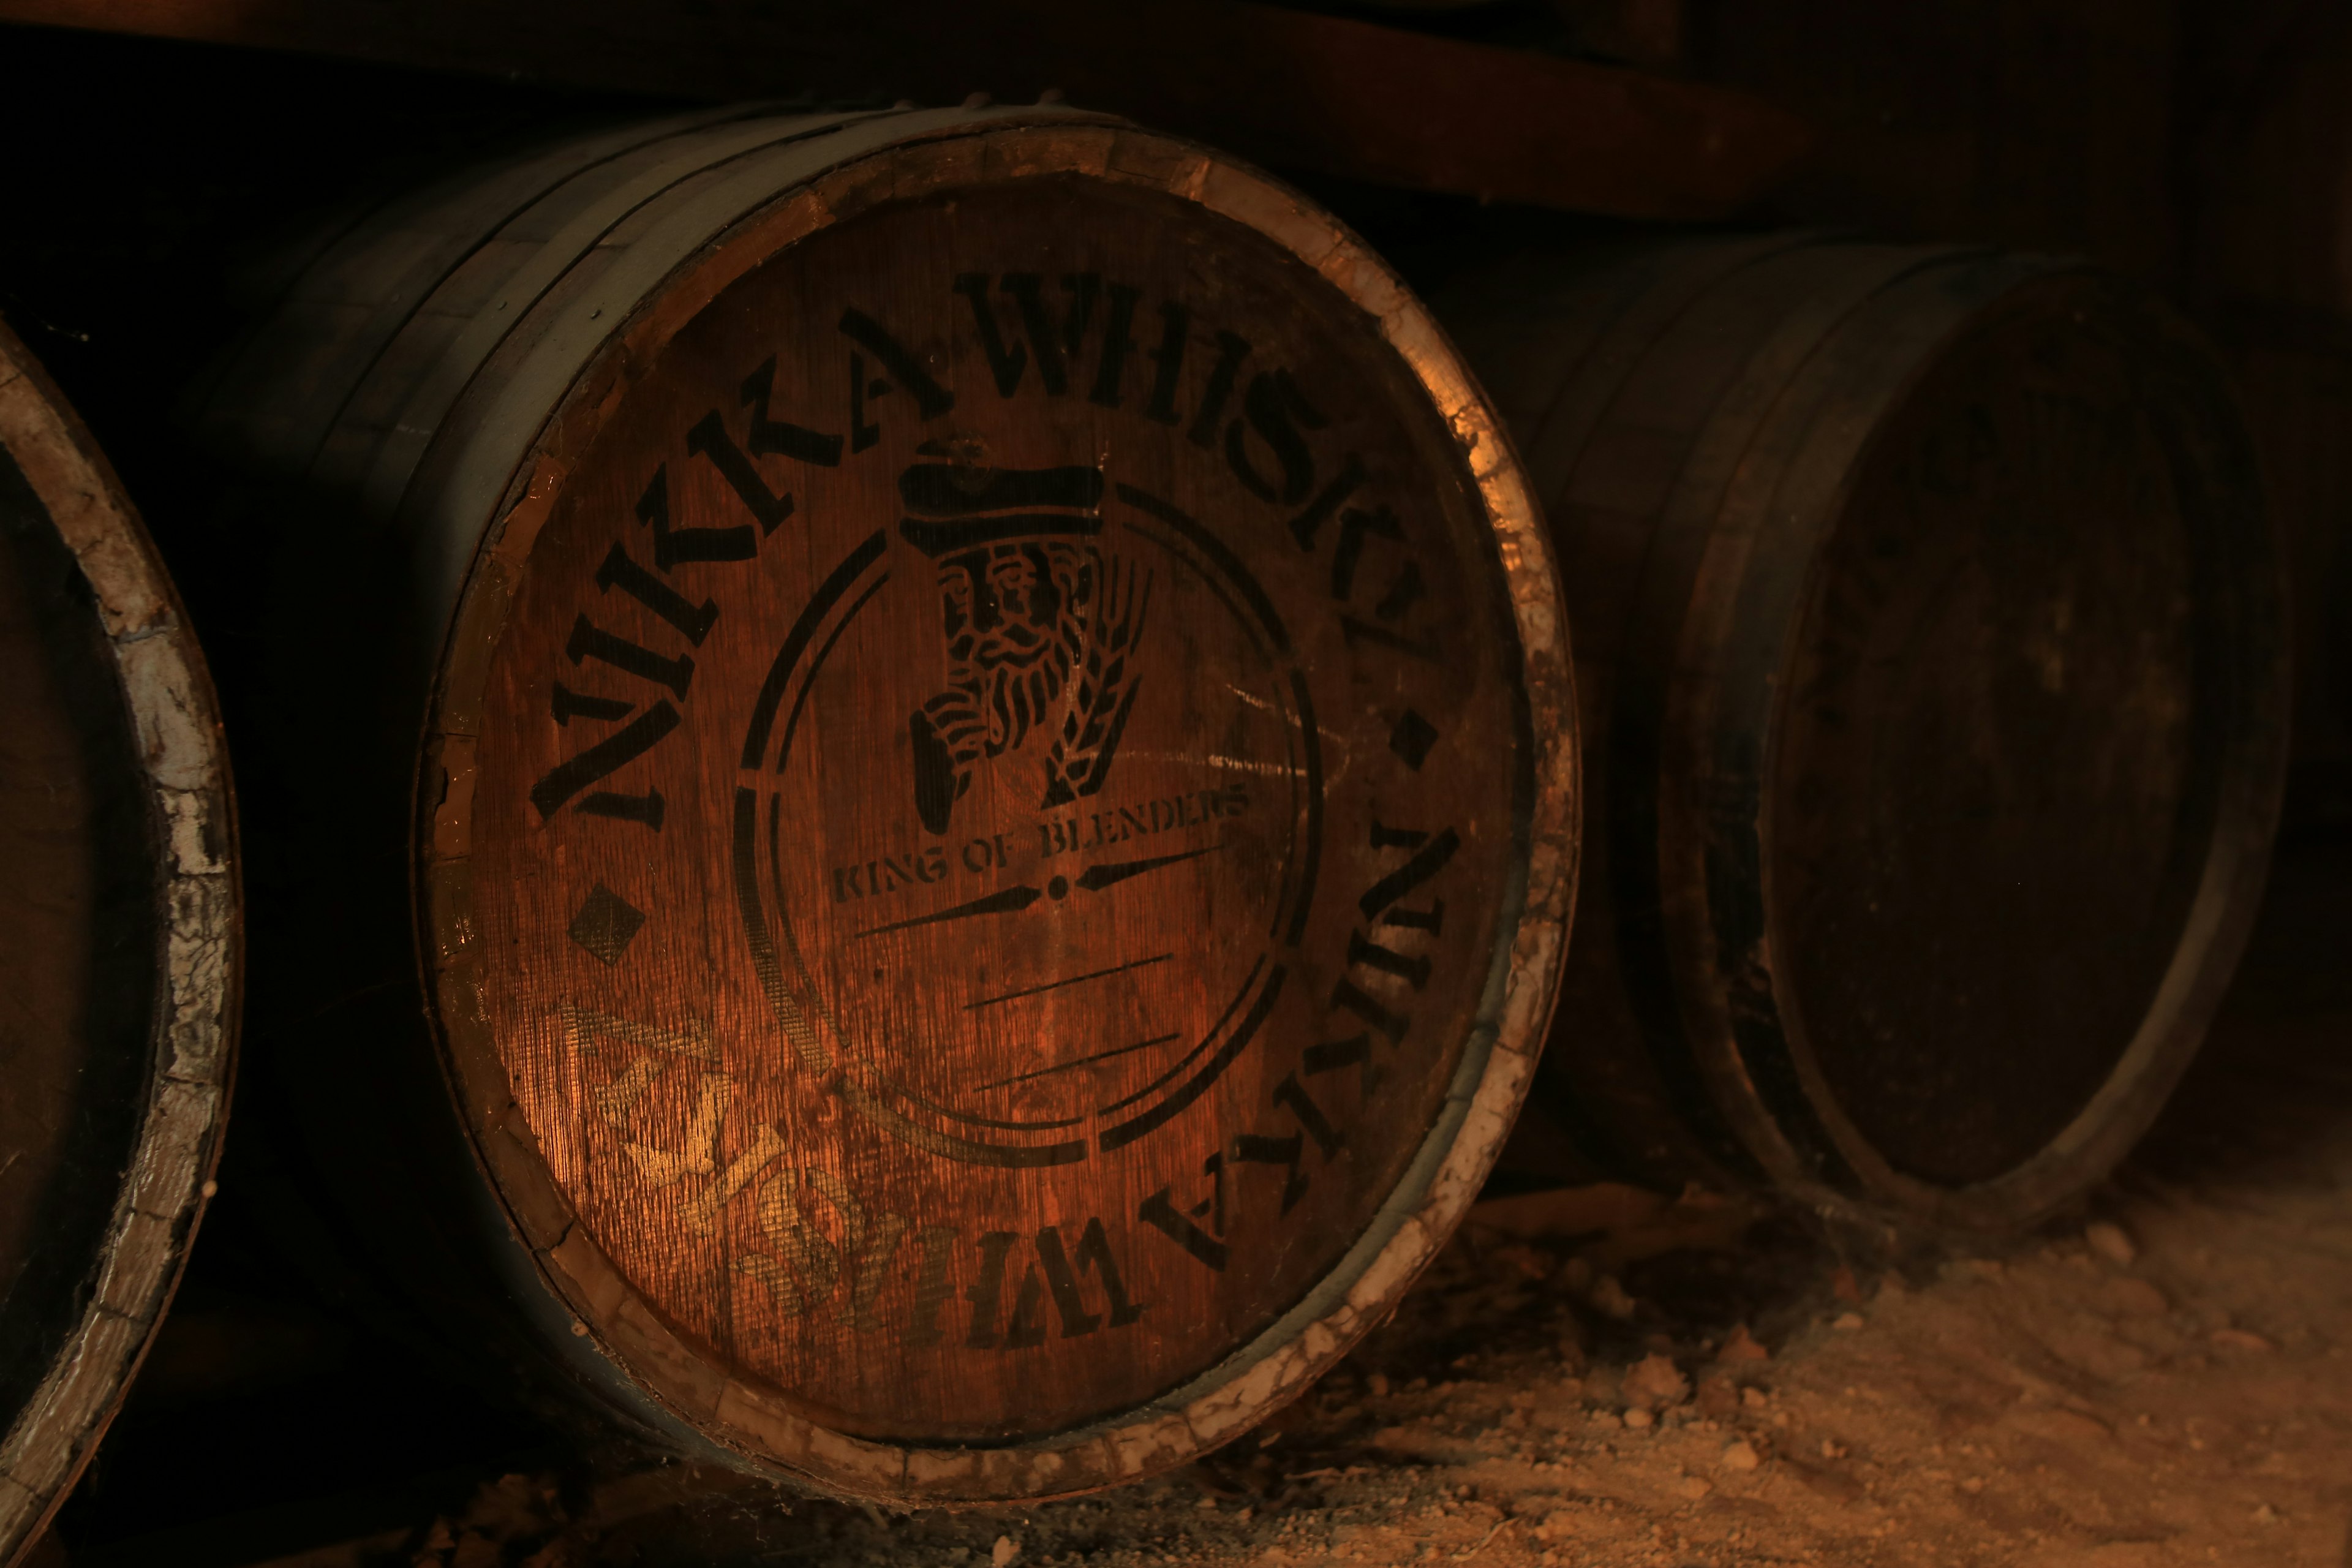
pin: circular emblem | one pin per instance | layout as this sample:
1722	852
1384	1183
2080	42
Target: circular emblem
1018	656
996	803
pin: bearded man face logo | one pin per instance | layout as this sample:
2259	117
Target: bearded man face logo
1015	617
1026	601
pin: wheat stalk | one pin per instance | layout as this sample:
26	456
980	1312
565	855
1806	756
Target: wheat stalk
1081	758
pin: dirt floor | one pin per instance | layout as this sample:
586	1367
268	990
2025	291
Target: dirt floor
1600	1379
2162	1379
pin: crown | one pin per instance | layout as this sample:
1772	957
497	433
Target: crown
954	507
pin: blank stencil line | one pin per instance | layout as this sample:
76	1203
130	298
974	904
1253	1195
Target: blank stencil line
1073	980
1082	1061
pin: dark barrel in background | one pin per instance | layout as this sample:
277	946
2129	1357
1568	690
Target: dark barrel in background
1933	665
119	944
914	783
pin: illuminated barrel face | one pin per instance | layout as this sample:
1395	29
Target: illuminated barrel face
989	806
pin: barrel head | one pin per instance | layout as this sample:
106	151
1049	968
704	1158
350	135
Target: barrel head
1999	768
991	825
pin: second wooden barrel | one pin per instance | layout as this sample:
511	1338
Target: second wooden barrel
979	721
1932	652
119	944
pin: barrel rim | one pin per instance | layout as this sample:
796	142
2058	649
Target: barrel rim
191	1039
1497	1063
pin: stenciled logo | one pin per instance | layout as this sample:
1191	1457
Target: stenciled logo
1027	602
1038	952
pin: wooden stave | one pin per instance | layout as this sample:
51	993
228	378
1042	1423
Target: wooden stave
253	411
472	467
1739	1131
189	1051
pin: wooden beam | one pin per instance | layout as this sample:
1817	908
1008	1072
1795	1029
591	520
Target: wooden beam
1293	89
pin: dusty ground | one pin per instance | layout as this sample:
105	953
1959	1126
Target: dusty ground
2159	1380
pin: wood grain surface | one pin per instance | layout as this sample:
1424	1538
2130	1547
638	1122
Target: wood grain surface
119	945
1933	655
998	801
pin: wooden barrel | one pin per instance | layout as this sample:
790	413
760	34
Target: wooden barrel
119	944
980	726
1931	652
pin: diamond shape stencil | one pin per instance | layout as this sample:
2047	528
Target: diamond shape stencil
605	924
1412	738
